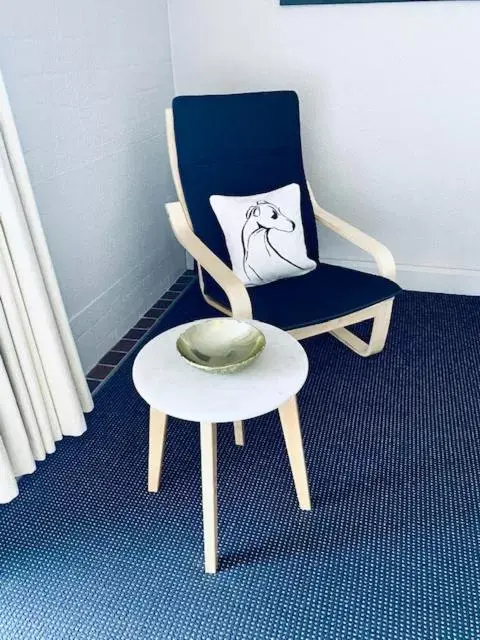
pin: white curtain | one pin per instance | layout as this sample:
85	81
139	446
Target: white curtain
43	391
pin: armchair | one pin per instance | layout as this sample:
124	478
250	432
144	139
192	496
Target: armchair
243	144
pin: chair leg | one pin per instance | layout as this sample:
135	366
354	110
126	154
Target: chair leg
378	336
156	447
208	445
239	433
293	441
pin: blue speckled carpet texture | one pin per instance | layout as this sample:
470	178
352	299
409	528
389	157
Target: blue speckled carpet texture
391	550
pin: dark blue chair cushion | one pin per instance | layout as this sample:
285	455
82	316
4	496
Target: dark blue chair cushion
239	144
324	294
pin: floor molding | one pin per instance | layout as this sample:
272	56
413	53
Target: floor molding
109	363
424	278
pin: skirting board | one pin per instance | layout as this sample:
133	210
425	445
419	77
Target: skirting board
422	278
105	320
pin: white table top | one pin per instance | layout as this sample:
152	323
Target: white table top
171	385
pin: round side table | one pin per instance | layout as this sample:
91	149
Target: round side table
174	388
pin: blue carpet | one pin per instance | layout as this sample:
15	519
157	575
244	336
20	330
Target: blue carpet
391	549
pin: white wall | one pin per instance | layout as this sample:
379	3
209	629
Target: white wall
390	99
88	82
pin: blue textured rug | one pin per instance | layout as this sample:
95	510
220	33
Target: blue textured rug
391	549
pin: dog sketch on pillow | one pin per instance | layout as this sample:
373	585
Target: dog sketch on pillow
261	219
264	235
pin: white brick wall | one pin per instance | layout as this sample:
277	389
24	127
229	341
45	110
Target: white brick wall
390	104
88	82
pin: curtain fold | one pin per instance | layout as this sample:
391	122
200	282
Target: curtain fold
43	391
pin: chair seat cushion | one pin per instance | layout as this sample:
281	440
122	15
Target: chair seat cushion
326	293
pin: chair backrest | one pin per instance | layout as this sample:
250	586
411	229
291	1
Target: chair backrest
239	144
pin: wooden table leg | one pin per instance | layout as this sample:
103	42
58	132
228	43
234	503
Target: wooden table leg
239	434
293	440
156	447
208	445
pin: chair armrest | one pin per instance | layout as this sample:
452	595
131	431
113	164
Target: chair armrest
233	287
382	256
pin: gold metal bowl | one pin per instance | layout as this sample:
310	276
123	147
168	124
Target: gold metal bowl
221	345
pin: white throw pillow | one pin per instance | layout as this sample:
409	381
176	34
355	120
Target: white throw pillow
264	235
